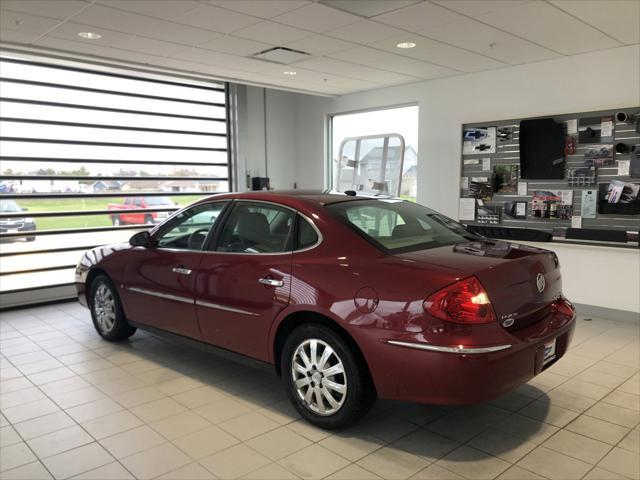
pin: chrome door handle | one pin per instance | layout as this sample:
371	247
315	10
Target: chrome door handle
181	270
271	282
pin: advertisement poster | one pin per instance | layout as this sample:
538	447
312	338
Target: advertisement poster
479	140
589	203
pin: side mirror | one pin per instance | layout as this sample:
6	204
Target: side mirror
142	239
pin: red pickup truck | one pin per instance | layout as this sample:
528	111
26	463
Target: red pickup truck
139	203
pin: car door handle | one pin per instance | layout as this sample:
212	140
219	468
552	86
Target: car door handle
181	270
271	282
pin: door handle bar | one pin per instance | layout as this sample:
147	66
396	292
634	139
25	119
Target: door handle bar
271	282
181	270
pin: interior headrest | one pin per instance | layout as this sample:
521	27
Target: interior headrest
253	227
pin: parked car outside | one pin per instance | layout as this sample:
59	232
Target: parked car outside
350	298
136	216
15	224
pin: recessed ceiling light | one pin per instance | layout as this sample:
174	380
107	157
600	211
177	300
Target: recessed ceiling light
290	72
89	35
405	45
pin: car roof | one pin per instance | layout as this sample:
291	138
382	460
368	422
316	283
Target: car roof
318	197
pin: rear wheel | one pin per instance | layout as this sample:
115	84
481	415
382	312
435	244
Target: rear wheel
106	311
324	379
148	219
116	221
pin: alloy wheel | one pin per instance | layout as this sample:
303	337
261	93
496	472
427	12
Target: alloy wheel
104	307
319	377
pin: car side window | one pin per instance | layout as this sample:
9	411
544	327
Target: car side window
307	235
189	229
257	228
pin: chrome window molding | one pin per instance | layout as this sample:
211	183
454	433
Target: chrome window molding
449	349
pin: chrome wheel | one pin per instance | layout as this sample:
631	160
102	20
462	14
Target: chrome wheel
319	377
116	221
104	308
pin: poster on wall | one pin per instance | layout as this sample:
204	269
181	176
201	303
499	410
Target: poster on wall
506	178
481	187
598	155
552	204
589	203
515	210
479	140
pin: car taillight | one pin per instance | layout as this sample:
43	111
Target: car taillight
465	301
563	306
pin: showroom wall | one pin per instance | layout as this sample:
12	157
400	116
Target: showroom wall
600	80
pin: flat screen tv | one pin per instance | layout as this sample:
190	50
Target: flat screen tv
542	149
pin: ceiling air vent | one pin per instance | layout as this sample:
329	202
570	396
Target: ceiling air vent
282	55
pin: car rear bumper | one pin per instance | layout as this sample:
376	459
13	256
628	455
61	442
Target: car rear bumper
476	374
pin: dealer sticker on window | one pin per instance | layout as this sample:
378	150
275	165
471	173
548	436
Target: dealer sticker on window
549	352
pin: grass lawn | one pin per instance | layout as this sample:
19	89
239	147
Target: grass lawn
77	204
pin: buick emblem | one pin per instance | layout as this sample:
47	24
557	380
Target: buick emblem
540	282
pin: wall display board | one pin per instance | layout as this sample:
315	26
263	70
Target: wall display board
556	174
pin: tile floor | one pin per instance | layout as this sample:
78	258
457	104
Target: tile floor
74	406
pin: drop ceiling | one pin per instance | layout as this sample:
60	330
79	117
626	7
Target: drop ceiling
351	44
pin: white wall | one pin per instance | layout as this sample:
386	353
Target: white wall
605	277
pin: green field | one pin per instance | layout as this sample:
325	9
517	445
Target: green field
78	204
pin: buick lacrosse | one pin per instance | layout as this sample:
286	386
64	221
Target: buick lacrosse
350	298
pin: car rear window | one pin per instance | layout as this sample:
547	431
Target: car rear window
399	226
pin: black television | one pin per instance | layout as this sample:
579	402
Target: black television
542	149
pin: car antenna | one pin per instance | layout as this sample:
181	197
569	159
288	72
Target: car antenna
351	193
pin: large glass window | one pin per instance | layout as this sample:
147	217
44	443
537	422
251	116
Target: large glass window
89	155
402	121
189	229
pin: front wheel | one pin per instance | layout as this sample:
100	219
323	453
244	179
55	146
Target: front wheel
106	311
324	380
116	221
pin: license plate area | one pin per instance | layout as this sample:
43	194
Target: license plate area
549	352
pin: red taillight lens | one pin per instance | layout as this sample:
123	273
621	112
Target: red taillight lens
462	302
563	306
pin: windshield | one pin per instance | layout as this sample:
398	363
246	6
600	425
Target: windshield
159	201
399	226
9	206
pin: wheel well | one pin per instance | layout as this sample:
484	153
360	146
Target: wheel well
293	321
93	273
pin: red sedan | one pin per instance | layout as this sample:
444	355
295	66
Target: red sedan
350	298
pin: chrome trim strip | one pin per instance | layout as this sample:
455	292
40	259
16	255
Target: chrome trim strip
166	296
440	348
216	306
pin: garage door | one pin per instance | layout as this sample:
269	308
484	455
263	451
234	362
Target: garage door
90	155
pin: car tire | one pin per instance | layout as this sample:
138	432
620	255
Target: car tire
301	378
31	239
106	310
148	219
116	221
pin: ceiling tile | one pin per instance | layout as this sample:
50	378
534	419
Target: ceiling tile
419	17
201	55
15	36
491	42
618	18
369	8
177	32
257	66
550	27
60	9
260	8
440	54
473	8
26	23
235	45
69	31
394	63
353	70
129	56
166	9
112	19
145	45
365	31
273	33
320	45
68	45
317	18
216	19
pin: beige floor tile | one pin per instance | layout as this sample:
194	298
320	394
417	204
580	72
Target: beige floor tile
156	461
78	460
92	410
308	431
110	471
352	472
112	424
248	425
222	410
77	397
614	414
313	462
426	445
282	412
192	471
127	443
8	436
42	425
272	471
472	463
534	430
597	429
566	400
614	369
577	446
51	375
178	385
26	395
417	413
600	378
138	396
15	384
393	463
579	388
631	386
30	368
506	446
199	396
623	462
234	462
518	473
436	472
205	442
547	412
554	465
59	441
457	427
158	409
65	385
179	425
623	399
15	455
632	441
29	410
601	474
512	401
30	471
281	442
